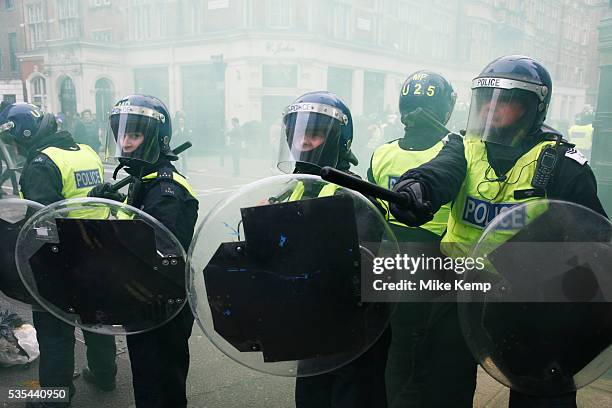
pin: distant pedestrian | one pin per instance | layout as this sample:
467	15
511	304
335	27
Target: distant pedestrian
235	143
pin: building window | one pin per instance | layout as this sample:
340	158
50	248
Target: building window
39	92
67	12
13	51
10	98
67	9
100	3
342	19
283	76
188	16
162	21
9	4
279	13
36	24
105	36
141	18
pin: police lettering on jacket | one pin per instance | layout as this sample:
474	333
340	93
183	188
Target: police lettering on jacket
87	178
479	213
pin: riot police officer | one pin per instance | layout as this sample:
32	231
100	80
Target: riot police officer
142	129
509	156
424	334
54	163
421	142
317	131
581	133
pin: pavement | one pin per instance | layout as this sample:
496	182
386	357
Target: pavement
216	381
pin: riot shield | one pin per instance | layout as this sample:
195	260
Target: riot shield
545	326
102	266
13	215
275	275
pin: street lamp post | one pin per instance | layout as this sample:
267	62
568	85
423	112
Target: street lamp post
602	136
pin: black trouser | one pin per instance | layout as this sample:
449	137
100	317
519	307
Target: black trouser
359	384
429	363
56	341
160	363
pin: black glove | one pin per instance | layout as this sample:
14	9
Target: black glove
105	190
416	211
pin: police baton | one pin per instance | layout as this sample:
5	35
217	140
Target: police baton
124	182
366	188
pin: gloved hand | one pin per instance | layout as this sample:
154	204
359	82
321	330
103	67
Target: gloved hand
416	211
105	190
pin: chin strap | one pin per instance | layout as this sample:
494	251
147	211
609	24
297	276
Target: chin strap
119	167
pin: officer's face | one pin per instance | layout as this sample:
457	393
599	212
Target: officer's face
503	115
132	141
309	141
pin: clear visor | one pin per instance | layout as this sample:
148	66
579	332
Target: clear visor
309	141
502	116
136	136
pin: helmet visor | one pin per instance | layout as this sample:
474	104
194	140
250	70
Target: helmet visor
310	136
502	116
135	130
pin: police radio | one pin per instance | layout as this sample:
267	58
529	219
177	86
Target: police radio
546	166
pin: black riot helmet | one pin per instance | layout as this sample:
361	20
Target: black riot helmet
510	99
25	125
142	129
317	131
427	90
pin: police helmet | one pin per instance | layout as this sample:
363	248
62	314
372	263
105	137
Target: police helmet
316	131
427	90
25	124
142	129
510	99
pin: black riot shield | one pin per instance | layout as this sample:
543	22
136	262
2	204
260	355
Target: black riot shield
13	215
545	327
314	291
281	292
116	272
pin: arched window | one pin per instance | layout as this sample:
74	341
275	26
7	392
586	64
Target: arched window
38	86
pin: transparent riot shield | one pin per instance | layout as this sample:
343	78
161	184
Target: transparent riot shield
544	326
275	275
102	266
13	215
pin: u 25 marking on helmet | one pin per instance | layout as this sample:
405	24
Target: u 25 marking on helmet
418	89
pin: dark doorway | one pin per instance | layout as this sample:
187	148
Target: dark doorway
204	104
105	95
67	96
